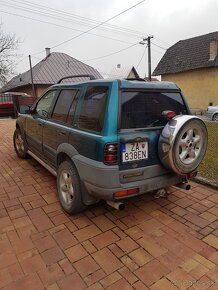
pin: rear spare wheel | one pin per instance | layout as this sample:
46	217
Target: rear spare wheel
183	143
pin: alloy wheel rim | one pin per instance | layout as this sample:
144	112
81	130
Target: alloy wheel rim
19	143
66	187
190	146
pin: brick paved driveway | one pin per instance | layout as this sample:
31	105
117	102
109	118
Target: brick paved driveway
154	244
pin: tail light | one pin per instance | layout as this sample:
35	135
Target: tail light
111	153
168	114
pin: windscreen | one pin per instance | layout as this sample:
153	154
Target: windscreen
141	109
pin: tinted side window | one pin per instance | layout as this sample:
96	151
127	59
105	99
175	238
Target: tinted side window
44	104
144	109
93	109
63	105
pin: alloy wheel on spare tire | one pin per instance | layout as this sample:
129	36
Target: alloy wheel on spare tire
69	188
183	143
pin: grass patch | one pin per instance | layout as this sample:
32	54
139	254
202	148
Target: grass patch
209	166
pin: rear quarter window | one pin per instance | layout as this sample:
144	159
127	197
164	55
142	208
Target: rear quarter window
140	109
93	108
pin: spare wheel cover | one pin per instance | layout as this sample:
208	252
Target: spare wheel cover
183	143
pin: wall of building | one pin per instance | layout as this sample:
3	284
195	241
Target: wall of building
39	89
200	87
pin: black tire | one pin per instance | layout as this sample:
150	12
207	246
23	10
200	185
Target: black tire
69	188
20	144
215	117
183	143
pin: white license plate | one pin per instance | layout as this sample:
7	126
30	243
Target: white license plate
134	151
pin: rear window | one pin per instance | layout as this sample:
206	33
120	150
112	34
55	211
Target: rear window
144	109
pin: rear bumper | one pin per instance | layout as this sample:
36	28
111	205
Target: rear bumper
143	186
103	181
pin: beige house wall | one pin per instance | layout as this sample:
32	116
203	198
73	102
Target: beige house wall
39	89
200	87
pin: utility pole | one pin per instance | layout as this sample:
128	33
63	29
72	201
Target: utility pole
149	57
148	39
31	74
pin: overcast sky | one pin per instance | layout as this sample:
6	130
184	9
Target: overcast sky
167	20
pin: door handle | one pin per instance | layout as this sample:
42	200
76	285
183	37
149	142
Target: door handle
40	124
62	133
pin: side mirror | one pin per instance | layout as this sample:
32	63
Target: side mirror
24	109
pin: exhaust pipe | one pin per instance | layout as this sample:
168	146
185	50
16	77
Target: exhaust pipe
185	186
116	204
160	193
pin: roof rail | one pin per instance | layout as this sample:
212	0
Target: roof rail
136	79
77	76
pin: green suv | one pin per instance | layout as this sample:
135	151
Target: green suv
112	139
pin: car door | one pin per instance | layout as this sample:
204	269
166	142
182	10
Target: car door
56	129
35	122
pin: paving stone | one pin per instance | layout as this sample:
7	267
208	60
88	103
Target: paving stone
87	233
103	223
104	239
151	272
152	244
110	279
52	255
107	260
140	256
211	240
197	220
72	281
76	253
65	239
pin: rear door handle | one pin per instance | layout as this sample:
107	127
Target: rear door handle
62	133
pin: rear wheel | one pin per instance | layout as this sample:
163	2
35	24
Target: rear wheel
19	144
69	188
215	117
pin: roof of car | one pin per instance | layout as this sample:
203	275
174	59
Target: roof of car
125	84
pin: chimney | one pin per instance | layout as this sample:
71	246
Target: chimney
118	65
47	51
213	49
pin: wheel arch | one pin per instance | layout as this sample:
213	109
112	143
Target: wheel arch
65	151
215	113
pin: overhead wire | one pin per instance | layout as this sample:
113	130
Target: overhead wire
110	54
158	45
23	2
48	15
62	26
96	26
84	20
143	54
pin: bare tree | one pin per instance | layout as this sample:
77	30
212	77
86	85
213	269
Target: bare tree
8	46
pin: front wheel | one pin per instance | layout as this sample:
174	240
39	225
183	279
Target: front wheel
69	188
19	144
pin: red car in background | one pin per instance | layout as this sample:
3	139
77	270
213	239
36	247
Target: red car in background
11	103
